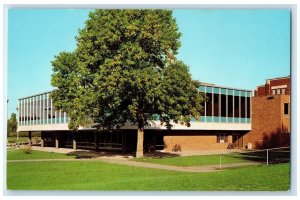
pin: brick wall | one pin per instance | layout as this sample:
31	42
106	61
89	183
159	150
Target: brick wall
197	140
268	121
267	88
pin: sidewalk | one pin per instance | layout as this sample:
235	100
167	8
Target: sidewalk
125	161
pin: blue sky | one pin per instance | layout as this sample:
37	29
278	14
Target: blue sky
233	48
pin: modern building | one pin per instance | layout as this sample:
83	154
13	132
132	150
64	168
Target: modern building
226	118
270	115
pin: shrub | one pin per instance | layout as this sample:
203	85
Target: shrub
26	149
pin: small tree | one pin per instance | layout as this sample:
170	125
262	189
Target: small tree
12	124
123	68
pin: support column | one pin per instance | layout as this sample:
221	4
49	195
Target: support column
96	140
74	140
56	141
42	140
140	144
123	146
29	138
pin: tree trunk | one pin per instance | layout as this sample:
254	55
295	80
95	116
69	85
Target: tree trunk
140	134
140	143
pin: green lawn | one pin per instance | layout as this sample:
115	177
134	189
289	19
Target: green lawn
20	155
96	175
194	160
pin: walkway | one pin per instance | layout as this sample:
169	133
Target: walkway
124	161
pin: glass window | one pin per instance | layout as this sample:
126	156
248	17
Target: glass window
283	91
223	105
230	106
222	138
278	91
273	92
223	91
236	106
216	90
286	108
248	107
202	88
208	89
208	104
243	107
216	104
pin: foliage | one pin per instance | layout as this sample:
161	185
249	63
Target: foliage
124	69
12	124
26	149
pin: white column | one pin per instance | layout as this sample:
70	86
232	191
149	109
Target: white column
55	119
45	109
212	103
47	114
233	95
220	107
51	122
240	106
250	107
59	119
36	109
33	110
23	111
226	105
30	111
65	120
246	95
205	104
40	109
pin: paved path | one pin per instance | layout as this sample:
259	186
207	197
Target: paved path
207	168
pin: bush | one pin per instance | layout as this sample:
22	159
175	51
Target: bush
26	149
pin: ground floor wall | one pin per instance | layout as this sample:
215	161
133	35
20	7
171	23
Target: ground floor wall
125	141
202	140
264	140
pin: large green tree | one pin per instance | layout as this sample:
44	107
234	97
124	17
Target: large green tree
12	124
124	69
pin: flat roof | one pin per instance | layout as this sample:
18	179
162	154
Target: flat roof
201	83
35	95
271	79
213	85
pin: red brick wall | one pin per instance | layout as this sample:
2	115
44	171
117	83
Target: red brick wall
285	81
197	140
266	89
268	121
261	91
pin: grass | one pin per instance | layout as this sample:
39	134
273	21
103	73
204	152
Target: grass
20	155
194	160
96	175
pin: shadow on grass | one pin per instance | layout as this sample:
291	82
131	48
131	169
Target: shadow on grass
95	154
272	156
160	155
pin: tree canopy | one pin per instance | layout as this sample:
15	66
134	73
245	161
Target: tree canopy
124	68
12	124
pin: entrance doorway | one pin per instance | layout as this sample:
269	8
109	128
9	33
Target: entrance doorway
237	141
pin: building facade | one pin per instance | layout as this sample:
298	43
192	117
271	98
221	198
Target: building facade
274	86
270	115
226	118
